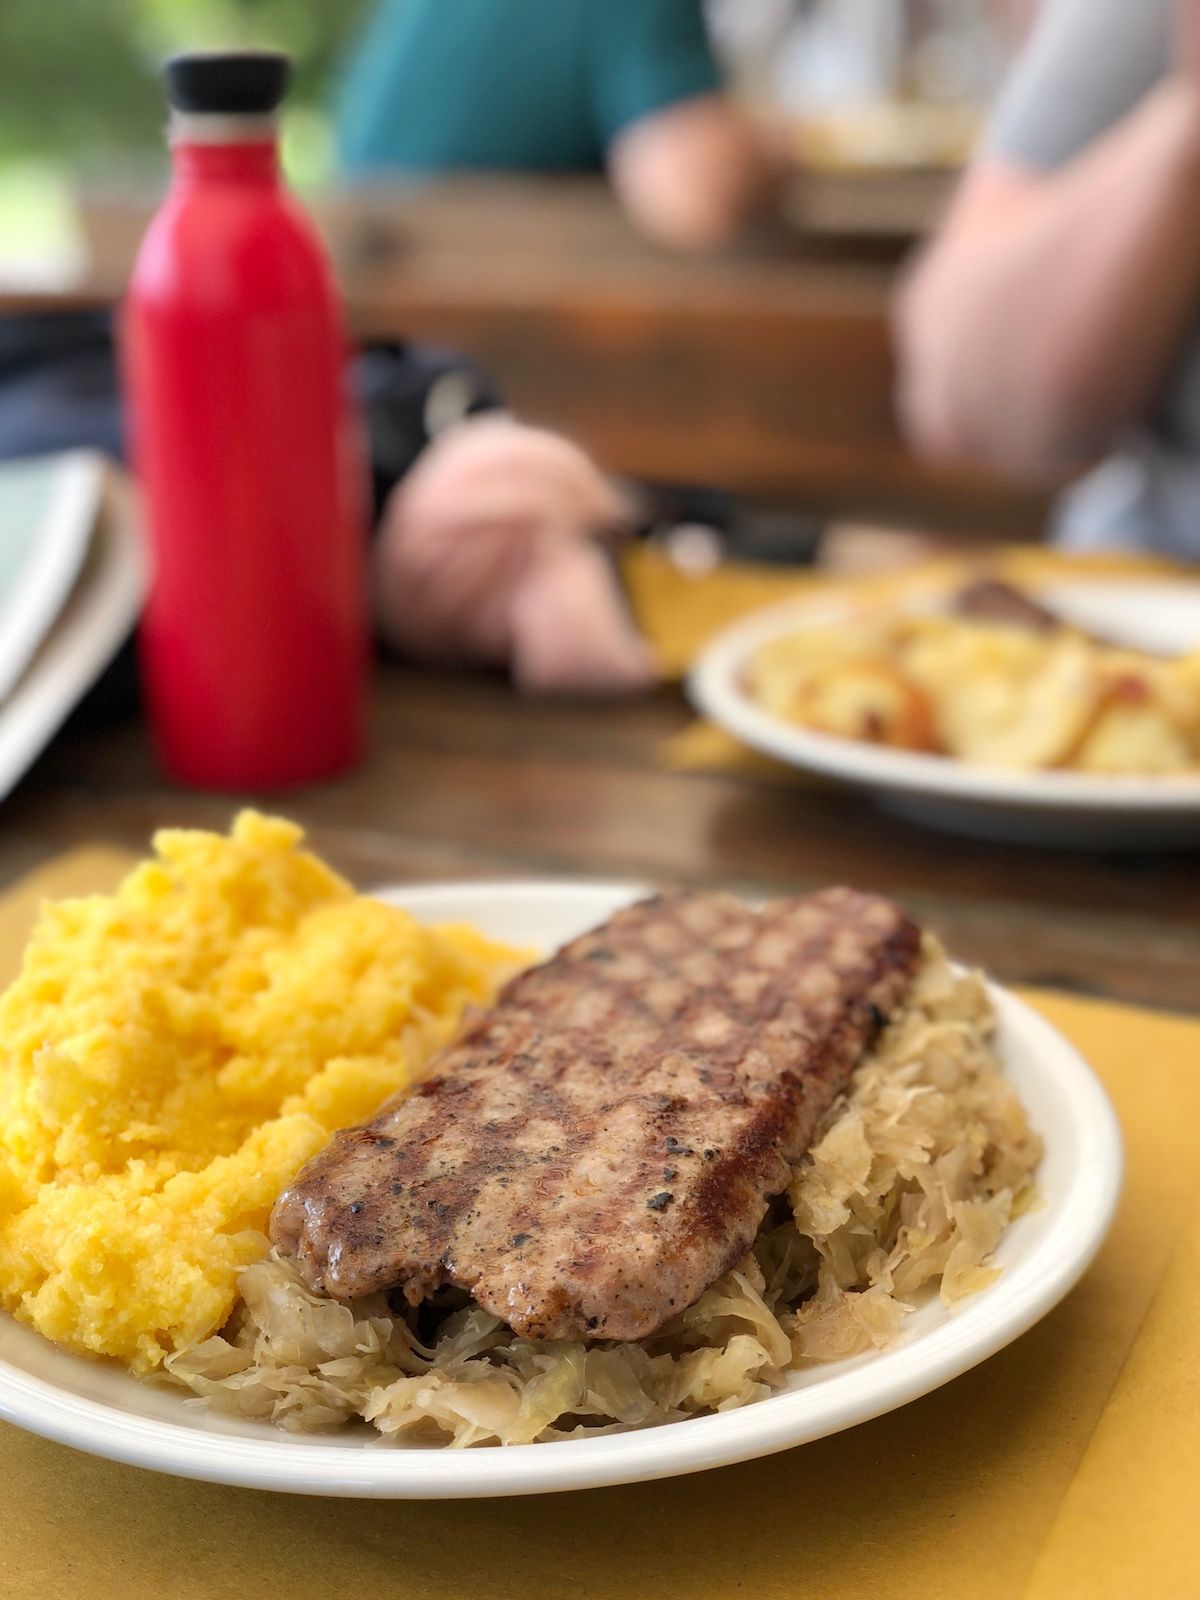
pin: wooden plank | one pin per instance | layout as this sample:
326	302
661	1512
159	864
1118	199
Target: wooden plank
768	372
467	780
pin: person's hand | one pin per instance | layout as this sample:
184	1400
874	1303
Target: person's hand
484	556
692	175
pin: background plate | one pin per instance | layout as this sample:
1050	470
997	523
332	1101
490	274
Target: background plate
1066	809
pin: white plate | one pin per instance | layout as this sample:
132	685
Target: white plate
95	620
48	508
98	1408
1059	808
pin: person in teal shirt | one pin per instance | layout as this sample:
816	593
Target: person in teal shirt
627	86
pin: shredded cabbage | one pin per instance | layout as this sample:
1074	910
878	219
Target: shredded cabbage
907	1190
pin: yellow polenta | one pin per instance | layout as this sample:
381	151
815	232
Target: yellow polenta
172	1054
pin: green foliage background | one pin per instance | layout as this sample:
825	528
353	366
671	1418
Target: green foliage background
78	83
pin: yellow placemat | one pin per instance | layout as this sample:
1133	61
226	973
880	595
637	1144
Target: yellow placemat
1066	1466
680	612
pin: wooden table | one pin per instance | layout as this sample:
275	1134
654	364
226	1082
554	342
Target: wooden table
469	781
767	371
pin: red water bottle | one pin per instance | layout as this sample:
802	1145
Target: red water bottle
254	641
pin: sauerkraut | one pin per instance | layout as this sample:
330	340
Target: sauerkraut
905	1193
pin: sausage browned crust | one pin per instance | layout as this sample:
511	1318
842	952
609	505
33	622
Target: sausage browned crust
600	1147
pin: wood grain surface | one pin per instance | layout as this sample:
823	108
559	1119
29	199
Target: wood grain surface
467	780
767	370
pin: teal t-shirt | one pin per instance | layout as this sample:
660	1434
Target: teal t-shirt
525	85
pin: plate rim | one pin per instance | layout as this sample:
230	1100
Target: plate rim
715	691
779	1422
98	614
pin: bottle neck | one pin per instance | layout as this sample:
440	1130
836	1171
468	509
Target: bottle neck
224	149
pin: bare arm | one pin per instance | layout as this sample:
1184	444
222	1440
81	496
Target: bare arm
692	174
1047	314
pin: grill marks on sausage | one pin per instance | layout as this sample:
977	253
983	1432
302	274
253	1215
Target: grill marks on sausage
690	1035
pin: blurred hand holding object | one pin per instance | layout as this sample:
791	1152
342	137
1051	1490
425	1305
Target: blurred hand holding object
485	556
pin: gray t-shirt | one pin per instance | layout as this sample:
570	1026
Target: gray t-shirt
1088	65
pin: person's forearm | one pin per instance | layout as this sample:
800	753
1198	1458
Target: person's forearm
1033	334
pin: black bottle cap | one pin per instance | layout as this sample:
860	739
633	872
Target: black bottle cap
237	83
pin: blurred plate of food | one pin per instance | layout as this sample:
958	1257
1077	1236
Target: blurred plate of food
1065	713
